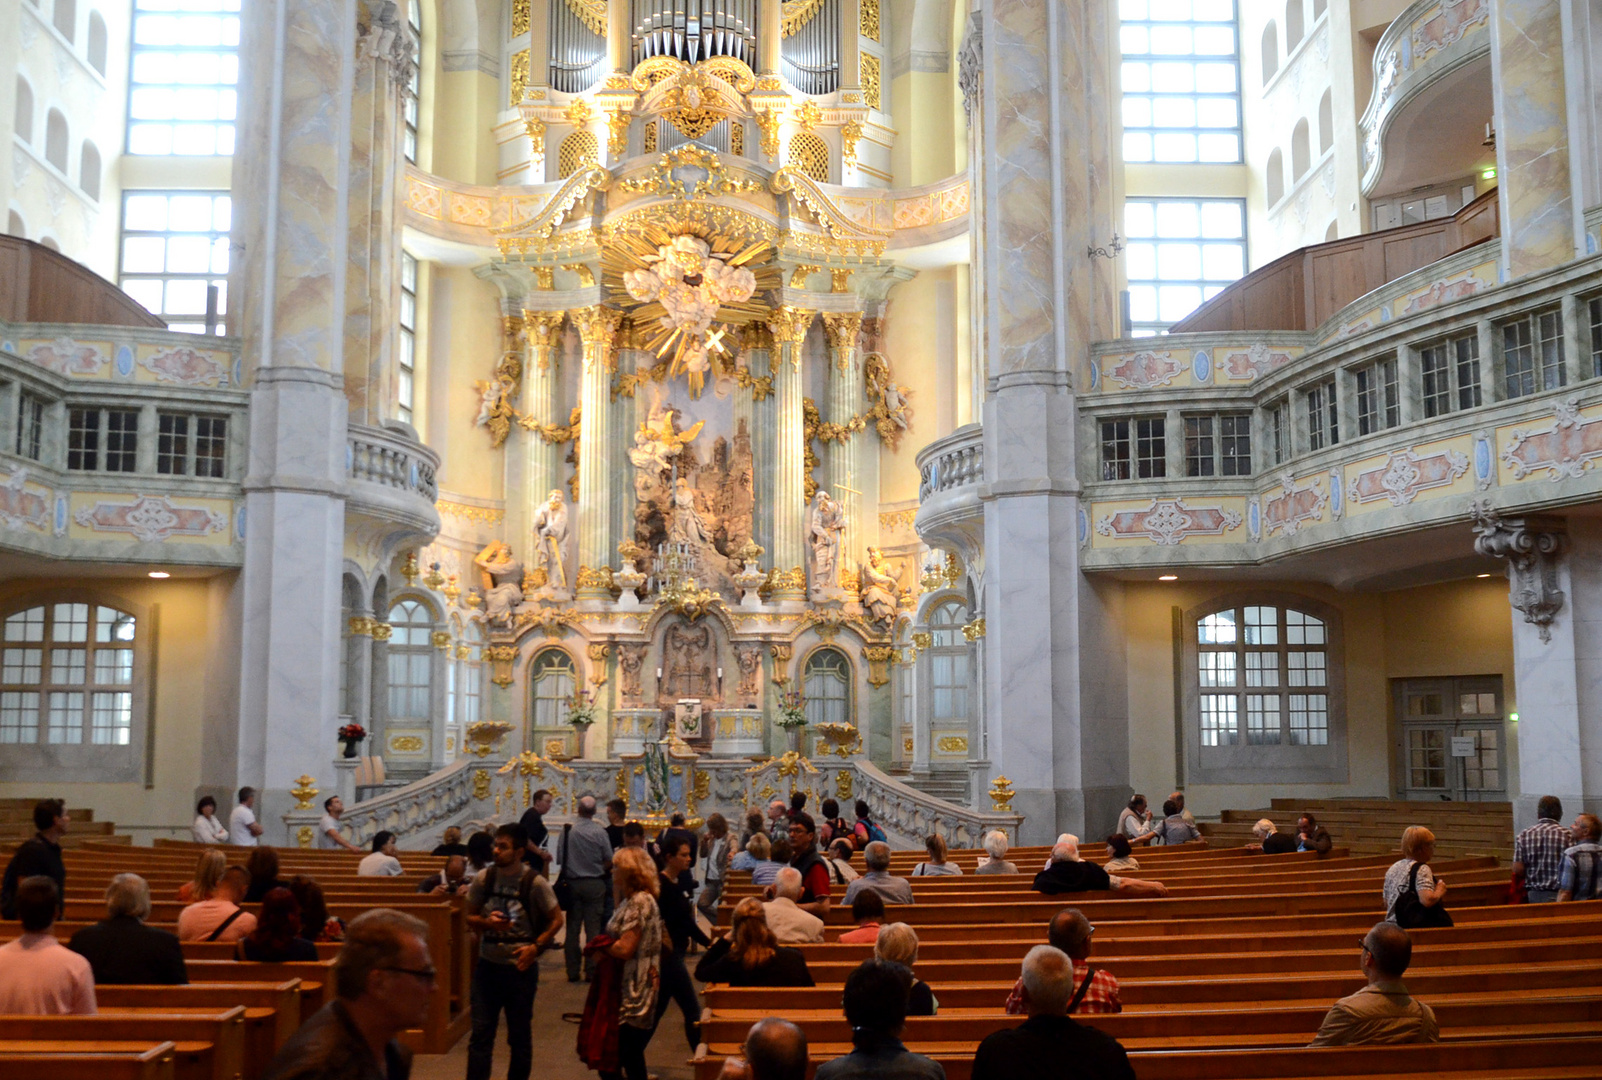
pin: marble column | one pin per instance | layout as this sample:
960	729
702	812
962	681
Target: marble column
598	329
1542	222
789	326
757	343
359	668
847	473
770	39
542	331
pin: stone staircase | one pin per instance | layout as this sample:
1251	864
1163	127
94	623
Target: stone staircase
948	784
16	825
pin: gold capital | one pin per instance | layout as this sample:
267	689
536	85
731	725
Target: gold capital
597	326
842	329
790	325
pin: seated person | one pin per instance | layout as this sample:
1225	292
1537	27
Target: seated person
875	1001
1069	932
753	854
778	859
1270	841
867	911
316	924
938	865
1381	1012
1174	829
996	850
774	1049
1049	1043
893	890
277	939
121	949
789	923
1068	873
451	880
746	954
382	861
1120	855
263	867
39	976
208	871
1311	836
450	843
841	872
897	943
219	918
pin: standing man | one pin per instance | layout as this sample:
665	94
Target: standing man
39	856
515	911
1582	863
1538	851
328	834
242	827
383	980
533	822
617	812
814	870
587	862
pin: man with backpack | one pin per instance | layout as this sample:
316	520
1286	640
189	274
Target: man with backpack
515	911
866	831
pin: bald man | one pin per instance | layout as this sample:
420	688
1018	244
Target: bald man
774	1050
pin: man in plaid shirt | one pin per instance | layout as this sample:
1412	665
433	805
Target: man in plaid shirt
1538	851
1070	931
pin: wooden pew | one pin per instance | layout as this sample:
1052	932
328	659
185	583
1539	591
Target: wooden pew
272	1010
221	1034
77	1060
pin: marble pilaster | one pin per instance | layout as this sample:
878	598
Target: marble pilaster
542	331
598	328
757	343
848	474
359	667
789	326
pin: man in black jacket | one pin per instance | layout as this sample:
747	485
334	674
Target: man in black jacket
678	919
121	949
38	856
1050	1043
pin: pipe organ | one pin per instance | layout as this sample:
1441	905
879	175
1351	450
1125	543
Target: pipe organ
578	47
693	30
810	52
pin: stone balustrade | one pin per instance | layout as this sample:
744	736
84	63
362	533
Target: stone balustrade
958	460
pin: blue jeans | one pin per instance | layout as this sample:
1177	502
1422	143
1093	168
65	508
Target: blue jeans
497	987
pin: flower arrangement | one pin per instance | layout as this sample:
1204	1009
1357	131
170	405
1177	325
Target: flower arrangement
793	710
581	710
352	733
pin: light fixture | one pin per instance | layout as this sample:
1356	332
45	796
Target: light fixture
1513	717
160	574
1169	577
1488	174
1482	575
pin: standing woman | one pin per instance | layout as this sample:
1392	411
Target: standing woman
715	850
636	930
207	829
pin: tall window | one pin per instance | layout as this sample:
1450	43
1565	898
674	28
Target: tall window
30	426
1218	445
66	675
826	684
1181	253
411	658
553	681
408	336
414	89
1133	447
1378	398
1262	677
175	256
1323	417
1279	430
1450	372
183	71
1532	353
102	440
950	664
1181	81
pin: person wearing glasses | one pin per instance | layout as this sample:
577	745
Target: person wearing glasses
1383	1011
383	980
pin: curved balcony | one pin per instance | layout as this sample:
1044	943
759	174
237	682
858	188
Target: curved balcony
951	488
392	486
1432	89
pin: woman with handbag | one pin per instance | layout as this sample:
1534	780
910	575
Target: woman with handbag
1413	894
636	933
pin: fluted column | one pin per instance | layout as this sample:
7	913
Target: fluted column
757	343
542	330
619	45
789	326
847	475
598	328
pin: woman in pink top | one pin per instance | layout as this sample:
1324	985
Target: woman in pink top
868	911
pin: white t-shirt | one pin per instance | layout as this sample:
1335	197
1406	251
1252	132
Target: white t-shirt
379	865
239	823
324	841
208	830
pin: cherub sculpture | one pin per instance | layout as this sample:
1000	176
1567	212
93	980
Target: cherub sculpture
690	283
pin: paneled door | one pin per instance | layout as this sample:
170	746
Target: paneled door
1436	712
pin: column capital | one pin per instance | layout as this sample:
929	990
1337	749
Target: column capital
790	324
842	328
541	326
597	326
1533	545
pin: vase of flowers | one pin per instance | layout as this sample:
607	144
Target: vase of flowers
352	735
581	714
793	718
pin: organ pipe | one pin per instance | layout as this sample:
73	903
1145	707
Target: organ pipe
811	55
578	54
693	30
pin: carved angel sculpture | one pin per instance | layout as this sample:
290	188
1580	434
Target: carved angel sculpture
690	283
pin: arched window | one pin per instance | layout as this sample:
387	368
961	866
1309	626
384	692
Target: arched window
22	116
97	42
810	154
1326	124
1299	155
1275	177
56	139
950	664
1270	51
410	661
1293	25
89	170
552	679
1264	688
577	150
66	18
826	684
414	89
66	676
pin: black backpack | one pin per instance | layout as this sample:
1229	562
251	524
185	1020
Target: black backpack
1411	913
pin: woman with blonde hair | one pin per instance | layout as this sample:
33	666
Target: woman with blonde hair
747	954
996	849
898	943
937	866
636	930
1410	877
208	872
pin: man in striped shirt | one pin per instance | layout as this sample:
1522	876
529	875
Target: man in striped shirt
1538	851
1070	931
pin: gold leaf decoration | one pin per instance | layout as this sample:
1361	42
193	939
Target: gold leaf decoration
520	16
952	744
577	151
519	76
592	13
810	154
868	19
796	14
870	80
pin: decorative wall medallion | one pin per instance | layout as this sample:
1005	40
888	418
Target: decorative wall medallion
239	524
1337	492
906	746
1168	522
1084	527
1442	292
183	365
1564	450
952	744
65	356
481	784
124	361
21	508
1254	363
1484	461
406	744
150	518
1254	518
1201	366
1146	370
1293	507
1405	474
1095	375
